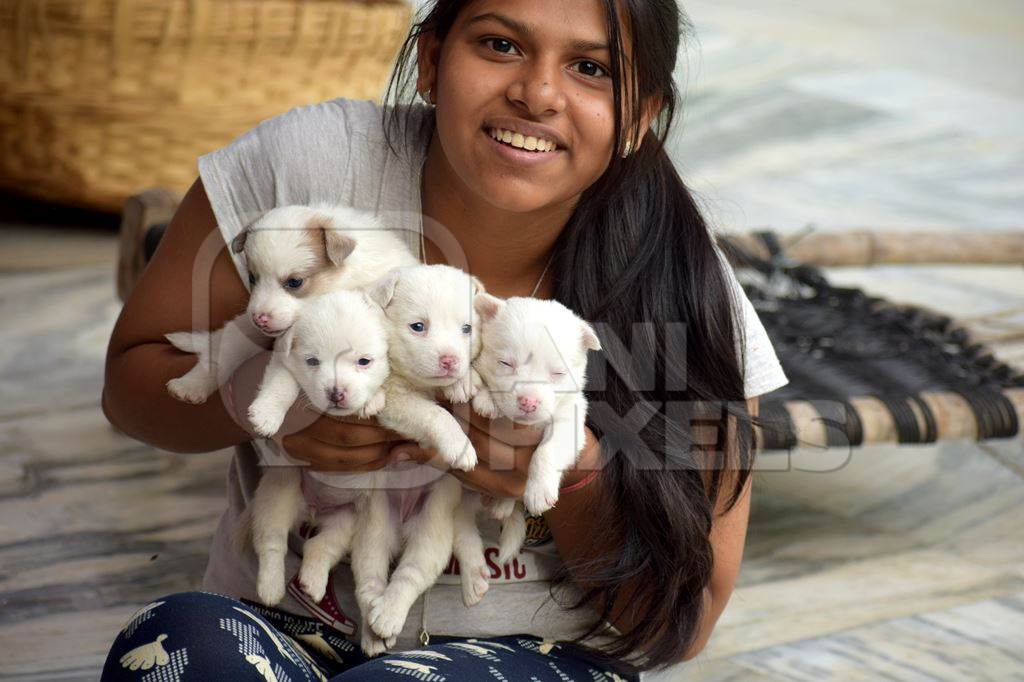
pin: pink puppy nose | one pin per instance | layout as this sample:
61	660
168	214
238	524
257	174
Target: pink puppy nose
261	319
527	403
448	362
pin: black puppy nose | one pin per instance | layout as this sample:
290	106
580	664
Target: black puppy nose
336	395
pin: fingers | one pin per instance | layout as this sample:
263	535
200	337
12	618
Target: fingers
485	478
503	430
325	456
349	432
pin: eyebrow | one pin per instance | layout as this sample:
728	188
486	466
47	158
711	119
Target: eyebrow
578	45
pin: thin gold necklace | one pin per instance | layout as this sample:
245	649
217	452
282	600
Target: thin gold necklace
536	287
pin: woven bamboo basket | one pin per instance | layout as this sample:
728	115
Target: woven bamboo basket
102	98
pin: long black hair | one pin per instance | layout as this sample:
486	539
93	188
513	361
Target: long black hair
637	250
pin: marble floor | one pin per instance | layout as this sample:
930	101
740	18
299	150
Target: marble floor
881	563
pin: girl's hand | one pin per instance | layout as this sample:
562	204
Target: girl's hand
504	450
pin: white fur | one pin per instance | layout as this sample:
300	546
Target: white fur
285	244
339	330
440	298
424	360
534	355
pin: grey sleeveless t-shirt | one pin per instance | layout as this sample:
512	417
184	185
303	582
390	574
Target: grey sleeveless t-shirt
335	152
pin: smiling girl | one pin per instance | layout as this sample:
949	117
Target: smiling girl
535	161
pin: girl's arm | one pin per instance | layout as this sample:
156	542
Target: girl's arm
140	360
571	520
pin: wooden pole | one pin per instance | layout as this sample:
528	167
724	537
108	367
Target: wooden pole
954	418
873	247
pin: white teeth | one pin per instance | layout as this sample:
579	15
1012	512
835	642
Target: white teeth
521	141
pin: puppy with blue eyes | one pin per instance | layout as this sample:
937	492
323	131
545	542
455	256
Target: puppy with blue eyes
533	365
292	253
433	338
335	354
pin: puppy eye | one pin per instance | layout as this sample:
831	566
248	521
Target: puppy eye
293	283
252	278
364	362
418	327
466	328
313	362
505	362
558	374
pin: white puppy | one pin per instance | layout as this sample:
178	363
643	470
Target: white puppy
292	253
432	341
335	352
533	365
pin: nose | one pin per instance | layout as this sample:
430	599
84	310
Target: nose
448	362
537	90
528	403
336	396
261	320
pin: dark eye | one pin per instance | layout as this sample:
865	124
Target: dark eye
592	69
466	329
500	45
252	279
417	327
313	362
558	374
505	362
364	362
293	283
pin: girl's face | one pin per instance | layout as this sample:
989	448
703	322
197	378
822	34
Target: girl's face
536	68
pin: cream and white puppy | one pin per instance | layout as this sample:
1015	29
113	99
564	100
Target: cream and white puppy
533	364
432	341
292	253
335	353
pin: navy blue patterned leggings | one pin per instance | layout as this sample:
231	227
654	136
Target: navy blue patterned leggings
204	636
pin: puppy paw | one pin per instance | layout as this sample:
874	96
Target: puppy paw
264	420
501	508
188	390
386	620
474	584
483	404
373	406
313	580
370	643
270	586
459	392
540	495
458	453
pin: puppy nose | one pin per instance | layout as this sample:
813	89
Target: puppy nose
336	396
261	319
448	362
527	403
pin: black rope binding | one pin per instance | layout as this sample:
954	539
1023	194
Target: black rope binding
836	343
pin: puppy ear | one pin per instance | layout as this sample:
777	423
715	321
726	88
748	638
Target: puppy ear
589	337
383	290
370	302
238	243
487	306
338	245
284	343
